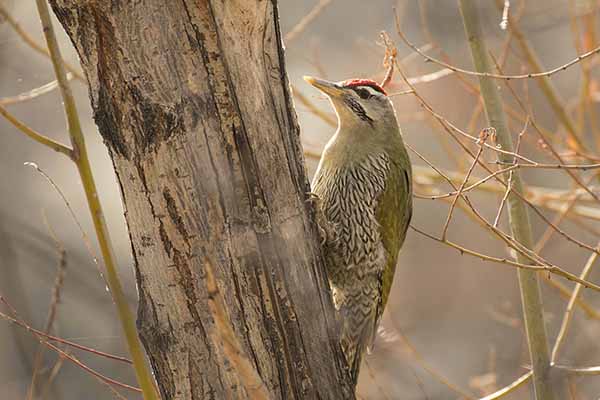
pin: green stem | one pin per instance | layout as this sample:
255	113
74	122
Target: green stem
81	159
38	137
518	214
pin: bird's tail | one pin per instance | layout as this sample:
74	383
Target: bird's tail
358	332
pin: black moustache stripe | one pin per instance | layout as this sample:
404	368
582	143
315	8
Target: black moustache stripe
357	109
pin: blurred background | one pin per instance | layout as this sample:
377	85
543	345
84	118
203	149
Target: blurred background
453	323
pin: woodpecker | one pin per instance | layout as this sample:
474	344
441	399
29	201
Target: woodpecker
363	193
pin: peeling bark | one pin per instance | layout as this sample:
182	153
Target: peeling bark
192	100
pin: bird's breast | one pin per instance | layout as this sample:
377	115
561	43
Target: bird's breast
349	197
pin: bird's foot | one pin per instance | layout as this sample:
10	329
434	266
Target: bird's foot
312	197
322	234
320	217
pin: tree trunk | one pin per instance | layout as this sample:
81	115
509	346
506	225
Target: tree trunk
192	100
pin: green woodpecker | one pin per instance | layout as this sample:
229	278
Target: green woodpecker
363	193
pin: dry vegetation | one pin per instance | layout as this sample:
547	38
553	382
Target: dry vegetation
468	166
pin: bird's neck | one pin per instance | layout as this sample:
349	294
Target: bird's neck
350	146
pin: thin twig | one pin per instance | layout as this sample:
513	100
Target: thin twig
38	333
497	76
518	193
84	235
579	370
41	337
567	317
516	245
449	125
306	20
510	388
500	260
427	367
35	45
430	39
450	128
52	376
546	85
510	176
589	310
54	300
430	77
402	93
560	216
33	93
483	138
550	199
575	178
504	198
90	370
38	137
547	143
373	377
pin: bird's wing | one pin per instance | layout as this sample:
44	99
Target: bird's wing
394	212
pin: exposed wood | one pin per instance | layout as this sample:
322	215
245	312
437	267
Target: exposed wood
192	100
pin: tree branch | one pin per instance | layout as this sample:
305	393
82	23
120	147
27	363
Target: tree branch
518	215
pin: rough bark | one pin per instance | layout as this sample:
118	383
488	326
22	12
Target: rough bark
192	100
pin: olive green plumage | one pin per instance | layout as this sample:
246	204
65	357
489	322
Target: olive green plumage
364	192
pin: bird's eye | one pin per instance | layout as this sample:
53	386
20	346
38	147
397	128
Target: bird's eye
363	93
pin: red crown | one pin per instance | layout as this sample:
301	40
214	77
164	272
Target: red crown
363	82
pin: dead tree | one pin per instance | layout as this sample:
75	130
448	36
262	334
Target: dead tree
193	103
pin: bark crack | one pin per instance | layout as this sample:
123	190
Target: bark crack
209	164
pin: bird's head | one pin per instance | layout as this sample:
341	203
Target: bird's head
357	102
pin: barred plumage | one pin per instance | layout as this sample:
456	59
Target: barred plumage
355	254
364	203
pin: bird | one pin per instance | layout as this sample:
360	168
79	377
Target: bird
363	194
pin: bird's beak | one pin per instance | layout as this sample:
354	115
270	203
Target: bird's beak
331	89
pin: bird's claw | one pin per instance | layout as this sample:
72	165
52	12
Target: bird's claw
312	197
320	218
322	234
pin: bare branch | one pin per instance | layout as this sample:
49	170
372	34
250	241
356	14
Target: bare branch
497	76
54	300
567	317
579	370
483	137
33	93
510	388
33	44
42	338
52	338
499	260
38	137
306	20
